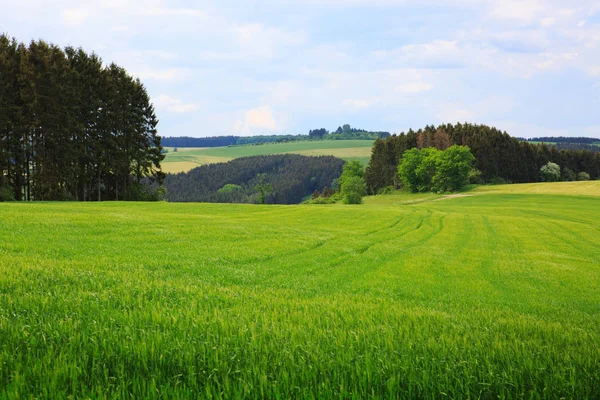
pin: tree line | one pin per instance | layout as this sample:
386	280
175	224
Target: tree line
563	139
271	179
72	128
498	156
342	133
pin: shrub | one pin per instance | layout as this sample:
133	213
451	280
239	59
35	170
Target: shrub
6	193
476	176
353	189
386	190
230	188
568	175
550	172
583	176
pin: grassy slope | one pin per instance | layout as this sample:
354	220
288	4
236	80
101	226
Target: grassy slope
186	159
493	294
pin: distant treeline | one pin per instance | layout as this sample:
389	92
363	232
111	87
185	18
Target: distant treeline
498	156
577	146
71	128
342	133
282	179
562	139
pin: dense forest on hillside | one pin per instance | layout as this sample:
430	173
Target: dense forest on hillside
498	156
280	179
71	128
342	133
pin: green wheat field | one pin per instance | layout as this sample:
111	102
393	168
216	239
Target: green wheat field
186	159
494	294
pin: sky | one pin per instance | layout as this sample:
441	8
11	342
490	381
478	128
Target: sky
529	67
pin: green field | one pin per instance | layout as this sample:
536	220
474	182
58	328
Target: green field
187	158
494	294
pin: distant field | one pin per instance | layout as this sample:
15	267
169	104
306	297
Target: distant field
493	295
187	158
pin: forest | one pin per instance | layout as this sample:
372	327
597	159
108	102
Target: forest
270	179
345	132
72	128
499	157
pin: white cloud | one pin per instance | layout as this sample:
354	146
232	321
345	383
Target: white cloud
162	74
413	87
360	103
74	16
256	121
173	105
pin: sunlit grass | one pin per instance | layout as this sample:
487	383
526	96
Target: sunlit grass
487	296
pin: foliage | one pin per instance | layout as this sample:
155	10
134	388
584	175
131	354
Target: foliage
583	176
476	177
433	170
353	190
568	175
386	190
230	188
291	178
550	172
474	297
498	156
452	167
6	194
72	127
352	184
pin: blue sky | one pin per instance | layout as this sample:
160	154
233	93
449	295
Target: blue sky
530	67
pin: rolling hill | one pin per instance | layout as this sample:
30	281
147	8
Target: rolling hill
493	294
186	159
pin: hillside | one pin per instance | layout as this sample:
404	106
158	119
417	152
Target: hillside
186	159
270	179
407	296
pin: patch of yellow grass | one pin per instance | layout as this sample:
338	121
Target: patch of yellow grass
185	166
585	188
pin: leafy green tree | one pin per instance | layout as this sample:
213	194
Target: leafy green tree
408	170
452	168
583	176
568	175
550	172
230	188
353	190
351	169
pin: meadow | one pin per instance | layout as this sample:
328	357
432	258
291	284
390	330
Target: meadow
186	159
491	295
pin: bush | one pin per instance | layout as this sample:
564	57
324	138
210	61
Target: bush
583	176
433	170
568	175
476	177
498	180
6	193
353	189
386	190
550	172
230	188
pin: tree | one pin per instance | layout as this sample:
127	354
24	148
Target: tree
263	188
583	176
351	169
550	172
568	175
408	170
353	190
432	169
452	168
